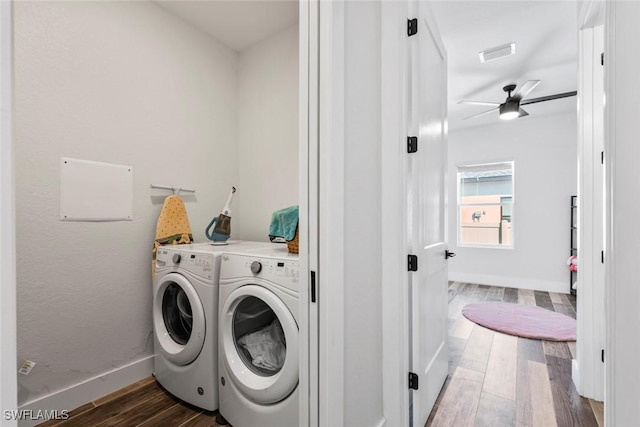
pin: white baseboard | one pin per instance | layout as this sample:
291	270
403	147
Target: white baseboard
89	390
575	375
510	282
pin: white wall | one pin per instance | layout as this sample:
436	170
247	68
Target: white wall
267	133
350	276
622	127
118	82
362	219
544	151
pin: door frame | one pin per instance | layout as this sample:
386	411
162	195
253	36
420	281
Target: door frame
395	101
395	336
8	355
308	82
395	69
329	82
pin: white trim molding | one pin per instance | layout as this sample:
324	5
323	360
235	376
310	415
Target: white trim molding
330	77
8	339
395	304
308	201
622	295
510	282
91	389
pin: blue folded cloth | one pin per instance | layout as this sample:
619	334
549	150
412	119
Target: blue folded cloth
284	223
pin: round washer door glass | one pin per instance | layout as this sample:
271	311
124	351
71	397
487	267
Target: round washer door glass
179	319
259	344
177	314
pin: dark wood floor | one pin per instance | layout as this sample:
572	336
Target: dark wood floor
498	380
144	403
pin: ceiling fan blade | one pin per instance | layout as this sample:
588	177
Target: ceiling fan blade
522	113
526	88
493	104
548	98
481	114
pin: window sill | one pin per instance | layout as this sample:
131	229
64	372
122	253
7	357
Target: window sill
478	246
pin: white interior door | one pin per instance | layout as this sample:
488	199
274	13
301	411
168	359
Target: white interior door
589	373
427	208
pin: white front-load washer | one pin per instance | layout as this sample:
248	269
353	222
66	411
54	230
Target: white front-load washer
185	320
258	338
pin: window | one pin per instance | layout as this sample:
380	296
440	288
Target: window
485	205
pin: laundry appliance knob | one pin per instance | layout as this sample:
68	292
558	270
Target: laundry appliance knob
256	267
177	258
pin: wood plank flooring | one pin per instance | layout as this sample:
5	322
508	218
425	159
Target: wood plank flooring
498	380
495	380
144	404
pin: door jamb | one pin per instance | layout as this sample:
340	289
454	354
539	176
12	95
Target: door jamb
8	338
308	204
395	76
331	207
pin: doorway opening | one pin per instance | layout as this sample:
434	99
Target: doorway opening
542	142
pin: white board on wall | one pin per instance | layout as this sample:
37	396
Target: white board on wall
95	191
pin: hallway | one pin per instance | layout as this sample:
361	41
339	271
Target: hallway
498	380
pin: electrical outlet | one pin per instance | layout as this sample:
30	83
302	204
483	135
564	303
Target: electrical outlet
26	367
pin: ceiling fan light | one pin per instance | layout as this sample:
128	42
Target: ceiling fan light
497	52
510	115
509	110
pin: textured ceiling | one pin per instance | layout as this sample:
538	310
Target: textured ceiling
546	37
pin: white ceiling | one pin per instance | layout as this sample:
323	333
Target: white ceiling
237	24
545	33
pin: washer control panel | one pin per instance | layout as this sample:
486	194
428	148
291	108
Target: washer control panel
256	267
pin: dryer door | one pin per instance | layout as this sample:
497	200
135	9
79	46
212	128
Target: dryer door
178	319
259	344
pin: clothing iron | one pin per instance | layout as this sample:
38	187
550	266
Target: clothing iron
219	229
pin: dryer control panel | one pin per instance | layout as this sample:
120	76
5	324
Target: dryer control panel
285	272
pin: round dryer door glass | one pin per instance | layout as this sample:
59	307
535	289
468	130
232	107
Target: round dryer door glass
177	314
259	337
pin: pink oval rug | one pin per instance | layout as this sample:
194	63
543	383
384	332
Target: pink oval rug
522	320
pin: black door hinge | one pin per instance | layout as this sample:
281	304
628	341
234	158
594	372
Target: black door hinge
602	355
313	286
413	263
413	381
412	26
602	257
602	58
412	144
602	157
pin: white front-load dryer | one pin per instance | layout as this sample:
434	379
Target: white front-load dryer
185	320
258	338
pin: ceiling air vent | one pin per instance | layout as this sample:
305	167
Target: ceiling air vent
497	52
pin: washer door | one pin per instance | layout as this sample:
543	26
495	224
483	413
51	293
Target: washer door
178	319
259	342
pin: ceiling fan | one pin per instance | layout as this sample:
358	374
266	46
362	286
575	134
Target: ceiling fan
510	108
